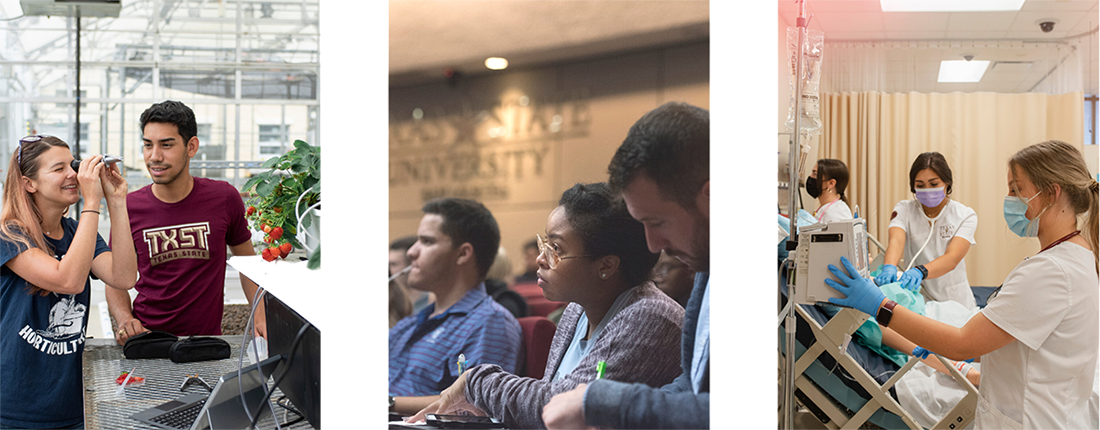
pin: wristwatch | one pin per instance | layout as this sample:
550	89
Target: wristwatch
885	313
393	402
923	271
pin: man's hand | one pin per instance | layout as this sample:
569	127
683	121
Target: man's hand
128	329
259	323
566	410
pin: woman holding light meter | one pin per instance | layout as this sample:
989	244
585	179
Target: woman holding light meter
933	234
46	260
1037	337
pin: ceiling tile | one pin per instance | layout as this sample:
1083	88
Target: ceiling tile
854	22
915	21
1052	5
980	21
1026	21
850	35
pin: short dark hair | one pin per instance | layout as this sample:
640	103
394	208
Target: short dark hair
172	112
468	221
934	161
670	145
605	227
403	243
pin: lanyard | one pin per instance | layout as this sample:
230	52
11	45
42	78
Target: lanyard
1063	239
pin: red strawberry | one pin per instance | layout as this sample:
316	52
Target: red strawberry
266	228
274	252
268	239
286	247
276	233
251	210
278	210
266	254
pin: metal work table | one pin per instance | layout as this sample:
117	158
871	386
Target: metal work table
104	409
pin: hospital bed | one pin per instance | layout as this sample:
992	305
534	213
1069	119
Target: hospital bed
845	384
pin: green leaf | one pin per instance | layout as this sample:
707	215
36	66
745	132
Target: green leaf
262	176
301	145
306	220
270	163
314	262
264	188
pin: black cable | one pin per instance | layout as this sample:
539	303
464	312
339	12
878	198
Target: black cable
286	370
282	401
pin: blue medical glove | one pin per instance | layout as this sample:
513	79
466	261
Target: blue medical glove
922	354
860	293
888	274
911	279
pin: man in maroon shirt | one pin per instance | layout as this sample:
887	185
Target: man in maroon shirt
181	226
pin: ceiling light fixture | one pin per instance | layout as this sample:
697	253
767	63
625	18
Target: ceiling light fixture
961	71
950	5
496	63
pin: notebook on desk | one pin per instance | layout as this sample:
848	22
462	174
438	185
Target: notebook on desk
219	409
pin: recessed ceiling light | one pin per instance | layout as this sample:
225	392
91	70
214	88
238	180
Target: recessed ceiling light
955	71
496	63
949	5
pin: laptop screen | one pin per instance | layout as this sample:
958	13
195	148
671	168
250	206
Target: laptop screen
225	408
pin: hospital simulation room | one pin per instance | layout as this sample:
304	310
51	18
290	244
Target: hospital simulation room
84	72
918	106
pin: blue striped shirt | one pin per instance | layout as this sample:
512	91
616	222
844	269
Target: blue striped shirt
424	351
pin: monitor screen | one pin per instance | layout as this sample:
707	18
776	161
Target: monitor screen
302	383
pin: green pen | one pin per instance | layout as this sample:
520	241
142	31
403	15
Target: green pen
600	368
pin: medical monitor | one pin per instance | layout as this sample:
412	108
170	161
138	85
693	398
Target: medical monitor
820	245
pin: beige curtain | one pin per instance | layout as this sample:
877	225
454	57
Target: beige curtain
879	135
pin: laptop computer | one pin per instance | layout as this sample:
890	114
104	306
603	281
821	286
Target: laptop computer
219	409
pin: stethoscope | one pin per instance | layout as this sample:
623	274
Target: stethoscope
932	231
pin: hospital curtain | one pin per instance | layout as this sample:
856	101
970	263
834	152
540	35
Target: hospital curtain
878	136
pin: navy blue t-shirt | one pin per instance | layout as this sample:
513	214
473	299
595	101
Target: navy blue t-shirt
41	342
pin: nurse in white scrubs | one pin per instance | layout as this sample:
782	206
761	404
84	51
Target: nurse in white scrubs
1037	338
827	183
931	234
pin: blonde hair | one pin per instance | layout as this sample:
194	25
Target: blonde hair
501	268
1056	162
20	219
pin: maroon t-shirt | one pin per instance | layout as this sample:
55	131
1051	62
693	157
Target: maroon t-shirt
181	252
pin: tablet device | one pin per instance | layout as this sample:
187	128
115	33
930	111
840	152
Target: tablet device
463	422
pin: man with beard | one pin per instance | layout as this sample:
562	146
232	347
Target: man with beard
662	170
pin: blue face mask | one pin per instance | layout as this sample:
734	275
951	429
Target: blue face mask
1015	208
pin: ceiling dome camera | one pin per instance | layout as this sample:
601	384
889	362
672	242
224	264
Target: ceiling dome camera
1047	24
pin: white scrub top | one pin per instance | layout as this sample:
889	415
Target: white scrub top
910	217
835	210
1043	379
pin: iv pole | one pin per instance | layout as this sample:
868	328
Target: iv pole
789	321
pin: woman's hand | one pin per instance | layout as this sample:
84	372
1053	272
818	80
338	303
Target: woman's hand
451	400
114	185
88	177
888	274
911	279
860	293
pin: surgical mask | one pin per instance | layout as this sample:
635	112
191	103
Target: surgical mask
812	187
930	197
1015	208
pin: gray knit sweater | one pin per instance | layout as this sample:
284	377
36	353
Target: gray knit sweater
640	344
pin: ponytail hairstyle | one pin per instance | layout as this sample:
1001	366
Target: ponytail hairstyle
828	168
20	219
1056	162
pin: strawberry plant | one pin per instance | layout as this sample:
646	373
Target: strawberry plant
282	196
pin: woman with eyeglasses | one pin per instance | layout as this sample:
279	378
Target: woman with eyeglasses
46	259
594	255
1037	337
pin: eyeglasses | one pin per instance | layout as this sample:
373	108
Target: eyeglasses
28	139
552	257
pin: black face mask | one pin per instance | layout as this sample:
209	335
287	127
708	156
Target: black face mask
812	187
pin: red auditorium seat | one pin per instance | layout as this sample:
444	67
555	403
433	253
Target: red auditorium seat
528	290
538	332
541	307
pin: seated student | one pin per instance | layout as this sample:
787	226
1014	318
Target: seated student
45	259
595	257
456	242
181	226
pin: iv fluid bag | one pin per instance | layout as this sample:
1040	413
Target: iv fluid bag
811	78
